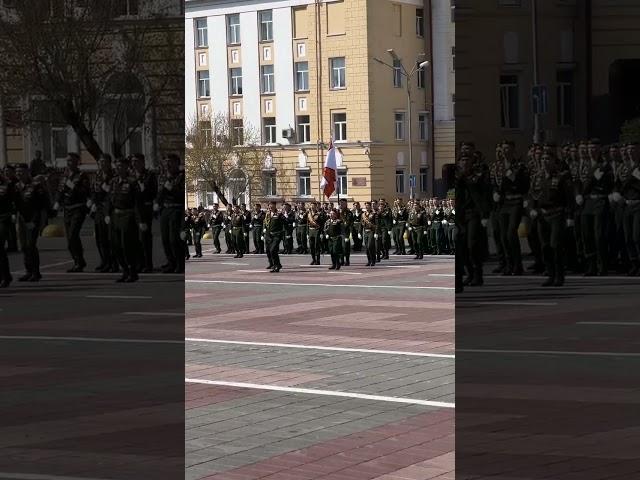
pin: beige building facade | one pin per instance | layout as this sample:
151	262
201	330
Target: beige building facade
303	73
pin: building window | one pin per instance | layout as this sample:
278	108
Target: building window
205	128
266	25
59	142
268	79
423	179
399	181
342	185
423	127
269	129
269	184
397	74
302	76
202	35
123	7
422	76
304	129
509	102
203	84
338	73
237	132
233	29
420	22
304	184
340	127
565	98
236	81
399	118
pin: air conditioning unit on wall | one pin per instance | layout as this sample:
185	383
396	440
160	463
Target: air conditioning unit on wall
288	133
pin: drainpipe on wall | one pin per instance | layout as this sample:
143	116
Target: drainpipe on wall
319	94
432	101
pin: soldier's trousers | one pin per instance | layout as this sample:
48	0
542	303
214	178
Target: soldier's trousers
73	220
125	238
228	239
335	249
102	233
510	216
146	239
303	242
386	240
274	250
345	248
171	226
197	241
398	237
594	229
258	241
474	245
29	233
370	246
5	226
314	244
452	235
551	230
617	250
577	220
497	237
632	231
288	241
356	234
247	235
12	238
215	233
437	238
534	240
418	239
238	240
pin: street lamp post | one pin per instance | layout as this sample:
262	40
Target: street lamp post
408	76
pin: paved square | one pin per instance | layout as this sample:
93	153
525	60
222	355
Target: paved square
312	374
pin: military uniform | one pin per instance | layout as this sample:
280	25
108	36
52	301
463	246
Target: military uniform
7	212
99	192
629	189
399	216
228	232
274	228
188	233
33	203
302	231
257	222
356	230
385	223
73	193
289	219
437	231
238	222
333	231
495	175
316	227
216	222
148	186
370	228
417	228
346	221
536	174
452	230
199	229
171	202
123	208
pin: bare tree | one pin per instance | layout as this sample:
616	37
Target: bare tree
83	62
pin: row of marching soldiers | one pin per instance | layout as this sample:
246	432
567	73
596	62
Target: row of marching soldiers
428	226
581	203
122	200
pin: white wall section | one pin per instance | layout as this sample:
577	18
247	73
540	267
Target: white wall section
250	70
283	70
218	71
189	68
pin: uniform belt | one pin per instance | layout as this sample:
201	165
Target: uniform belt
595	196
74	205
552	210
237	228
123	210
513	197
633	202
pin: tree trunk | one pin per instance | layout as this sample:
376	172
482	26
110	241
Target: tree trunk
87	138
218	192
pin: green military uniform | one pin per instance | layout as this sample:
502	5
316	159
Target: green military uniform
346	218
417	227
73	194
289	224
437	233
495	175
385	223
216	221
228	231
102	231
316	225
356	229
370	228
257	222
7	212
274	232
170	200
33	204
629	189
302	231
199	229
123	208
238	221
148	186
333	231
400	216
536	174
188	233
452	230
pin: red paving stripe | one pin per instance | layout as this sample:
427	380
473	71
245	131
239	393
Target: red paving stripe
363	455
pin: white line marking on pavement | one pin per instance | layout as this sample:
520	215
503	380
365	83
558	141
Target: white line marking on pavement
573	277
442	275
30	476
86	339
126	297
233	263
330	393
317	347
519	304
609	323
549	352
332	285
253	271
156	314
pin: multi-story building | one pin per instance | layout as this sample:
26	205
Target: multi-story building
588	59
304	73
152	89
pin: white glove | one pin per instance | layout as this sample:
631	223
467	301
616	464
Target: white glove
93	209
141	186
484	222
183	236
14	219
525	204
496	197
570	223
359	236
262	237
453	211
56	206
327	237
107	220
69	184
437	212
89	203
579	199
410	228
394	222
598	174
616	196
251	226
533	214
294	224
429	222
246	235
610	197
264	230
143	227
156	207
636	173
106	187
375	235
444	222
168	185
